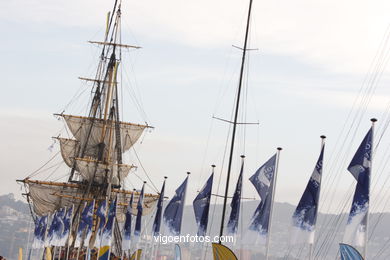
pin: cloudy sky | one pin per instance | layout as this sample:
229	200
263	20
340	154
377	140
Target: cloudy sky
312	59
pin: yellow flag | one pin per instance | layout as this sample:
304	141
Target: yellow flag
136	255
222	252
48	253
20	257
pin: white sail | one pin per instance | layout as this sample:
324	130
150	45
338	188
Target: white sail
84	127
47	198
92	169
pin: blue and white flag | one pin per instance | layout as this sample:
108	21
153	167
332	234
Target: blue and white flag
101	222
40	232
140	206
305	216
202	206
360	167
263	180
157	219
235	205
67	221
263	176
126	239
106	236
56	228
84	231
173	213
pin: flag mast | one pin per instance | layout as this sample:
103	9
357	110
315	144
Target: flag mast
272	202
323	137
373	120
235	120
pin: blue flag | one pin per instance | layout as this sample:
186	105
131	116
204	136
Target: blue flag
40	232
360	167
263	176
56	228
202	206
235	205
173	213
127	226
107	234
305	215
264	180
140	206
109	227
157	219
67	221
101	222
84	230
348	252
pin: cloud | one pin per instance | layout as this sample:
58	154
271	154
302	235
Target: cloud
341	36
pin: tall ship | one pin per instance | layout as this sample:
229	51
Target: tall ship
94	150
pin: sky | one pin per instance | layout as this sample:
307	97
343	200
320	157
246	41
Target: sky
310	60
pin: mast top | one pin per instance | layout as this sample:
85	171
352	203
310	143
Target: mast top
373	120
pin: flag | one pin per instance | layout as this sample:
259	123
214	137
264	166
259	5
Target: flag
221	252
138	220
157	219
202	205
84	230
305	215
173	213
100	222
360	168
106	237
56	228
348	252
127	227
40	232
67	222
263	180
235	205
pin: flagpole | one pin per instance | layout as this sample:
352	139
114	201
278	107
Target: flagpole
373	120
272	202
323	137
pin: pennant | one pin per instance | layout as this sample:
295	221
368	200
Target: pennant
360	168
202	205
127	226
264	178
67	222
100	222
157	219
84	230
138	220
348	252
221	252
235	205
305	216
173	213
40	232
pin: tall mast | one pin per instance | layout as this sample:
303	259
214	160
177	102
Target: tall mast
235	119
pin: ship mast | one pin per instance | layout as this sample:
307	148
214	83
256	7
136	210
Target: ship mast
237	107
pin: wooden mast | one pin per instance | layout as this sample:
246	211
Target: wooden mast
235	119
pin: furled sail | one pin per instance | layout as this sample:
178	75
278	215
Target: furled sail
84	127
